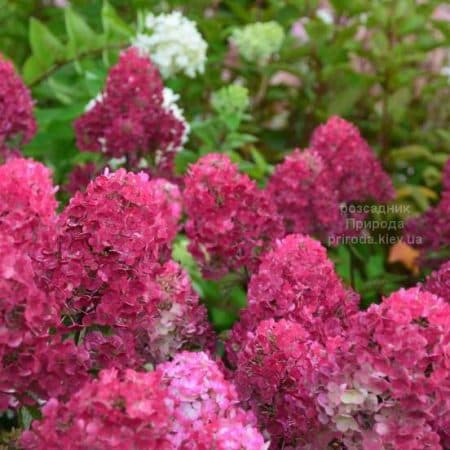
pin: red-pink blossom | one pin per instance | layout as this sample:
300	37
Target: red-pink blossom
110	269
114	350
121	220
27	203
438	282
117	411
156	313
80	177
390	387
296	281
25	311
275	371
305	200
353	168
17	123
129	118
43	367
310	188
197	395
184	404
230	221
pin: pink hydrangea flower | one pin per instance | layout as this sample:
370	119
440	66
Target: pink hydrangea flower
115	350
80	177
154	319
121	220
185	404
438	282
355	172
116	411
17	123
197	394
230	221
129	118
41	368
25	311
27	203
274	374
111	269
296	281
309	188
226	434
390	386
306	201
179	321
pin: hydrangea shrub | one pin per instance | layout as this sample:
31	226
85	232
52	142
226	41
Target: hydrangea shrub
196	300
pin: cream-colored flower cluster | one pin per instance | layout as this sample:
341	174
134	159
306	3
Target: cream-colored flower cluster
174	44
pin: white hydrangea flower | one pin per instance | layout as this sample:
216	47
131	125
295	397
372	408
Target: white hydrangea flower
116	163
174	44
170	99
445	72
97	99
325	15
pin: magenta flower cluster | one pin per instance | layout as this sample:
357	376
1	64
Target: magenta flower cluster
338	168
438	282
129	118
112	268
92	288
308	204
296	281
354	171
27	203
231	222
36	363
17	123
275	371
390	385
384	385
184	404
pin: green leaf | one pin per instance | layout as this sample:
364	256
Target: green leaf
44	44
33	69
259	160
113	25
81	35
27	414
432	176
183	159
343	102
410	153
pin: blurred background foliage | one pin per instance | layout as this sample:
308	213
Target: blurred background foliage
381	64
